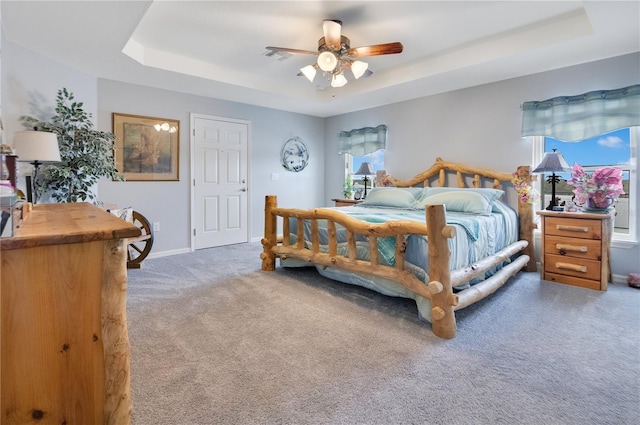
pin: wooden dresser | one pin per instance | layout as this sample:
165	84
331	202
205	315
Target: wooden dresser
64	343
575	248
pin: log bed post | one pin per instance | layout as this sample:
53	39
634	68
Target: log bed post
270	234
525	219
443	320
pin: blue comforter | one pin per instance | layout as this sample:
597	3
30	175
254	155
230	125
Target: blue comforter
477	236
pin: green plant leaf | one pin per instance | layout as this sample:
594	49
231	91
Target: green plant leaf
86	154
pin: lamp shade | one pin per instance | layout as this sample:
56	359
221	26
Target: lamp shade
338	80
38	146
553	162
327	61
358	68
309	71
364	170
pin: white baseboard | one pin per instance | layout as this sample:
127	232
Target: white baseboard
618	278
167	253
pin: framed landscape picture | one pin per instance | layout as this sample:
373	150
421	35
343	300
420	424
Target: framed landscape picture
147	148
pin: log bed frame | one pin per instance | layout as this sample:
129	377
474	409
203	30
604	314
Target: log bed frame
439	289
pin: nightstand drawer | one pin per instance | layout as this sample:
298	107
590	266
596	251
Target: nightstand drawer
573	247
579	267
573	227
573	281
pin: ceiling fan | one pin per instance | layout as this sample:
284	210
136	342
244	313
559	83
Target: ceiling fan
335	55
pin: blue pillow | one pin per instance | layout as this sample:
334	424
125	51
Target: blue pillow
459	201
391	197
489	194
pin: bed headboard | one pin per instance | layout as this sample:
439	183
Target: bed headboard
442	172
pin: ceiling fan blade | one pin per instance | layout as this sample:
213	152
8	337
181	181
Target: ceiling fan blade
332	34
273	50
378	49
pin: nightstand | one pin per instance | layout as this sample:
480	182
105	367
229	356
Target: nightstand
575	248
346	202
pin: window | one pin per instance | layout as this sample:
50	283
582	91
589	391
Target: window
617	149
360	145
352	163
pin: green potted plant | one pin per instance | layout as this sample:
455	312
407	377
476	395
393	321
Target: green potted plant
347	190
86	154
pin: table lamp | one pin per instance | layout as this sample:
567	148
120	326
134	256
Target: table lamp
553	162
36	148
364	170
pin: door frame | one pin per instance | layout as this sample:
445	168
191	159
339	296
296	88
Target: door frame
192	180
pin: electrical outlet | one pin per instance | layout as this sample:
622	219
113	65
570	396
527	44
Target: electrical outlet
275	176
156	226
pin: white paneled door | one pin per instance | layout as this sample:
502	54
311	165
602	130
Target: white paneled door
220	182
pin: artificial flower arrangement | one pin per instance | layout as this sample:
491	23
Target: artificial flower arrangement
600	190
384	180
525	192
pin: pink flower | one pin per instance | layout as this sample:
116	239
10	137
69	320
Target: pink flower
525	192
578	173
384	180
602	188
607	176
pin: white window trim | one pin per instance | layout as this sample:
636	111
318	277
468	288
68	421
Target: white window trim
619	240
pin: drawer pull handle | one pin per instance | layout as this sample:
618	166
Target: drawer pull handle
563	247
569	266
572	228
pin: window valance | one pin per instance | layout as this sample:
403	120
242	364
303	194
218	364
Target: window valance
575	118
362	141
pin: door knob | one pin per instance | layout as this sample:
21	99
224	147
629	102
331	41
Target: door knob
244	189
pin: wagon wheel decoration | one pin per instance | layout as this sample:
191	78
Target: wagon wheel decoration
139	247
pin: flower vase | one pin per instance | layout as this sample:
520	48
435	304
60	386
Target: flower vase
602	207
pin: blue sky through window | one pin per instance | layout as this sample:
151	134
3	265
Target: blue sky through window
608	149
376	160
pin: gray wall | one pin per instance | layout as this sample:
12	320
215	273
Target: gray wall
169	202
30	83
479	126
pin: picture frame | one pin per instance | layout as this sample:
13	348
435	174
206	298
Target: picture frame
147	148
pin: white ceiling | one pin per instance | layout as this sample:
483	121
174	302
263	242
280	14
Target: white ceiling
217	48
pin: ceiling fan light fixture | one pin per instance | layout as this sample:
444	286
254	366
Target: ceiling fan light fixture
309	71
327	61
358	68
335	54
338	80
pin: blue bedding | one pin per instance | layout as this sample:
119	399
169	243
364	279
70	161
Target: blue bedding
477	236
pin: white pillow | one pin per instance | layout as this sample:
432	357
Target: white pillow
459	201
125	214
391	197
489	194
